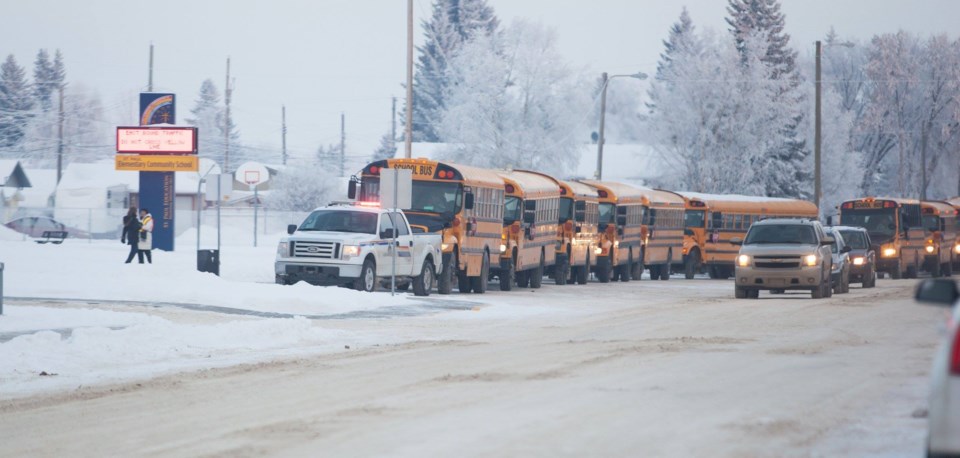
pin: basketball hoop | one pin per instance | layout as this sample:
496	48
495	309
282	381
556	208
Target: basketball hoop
251	177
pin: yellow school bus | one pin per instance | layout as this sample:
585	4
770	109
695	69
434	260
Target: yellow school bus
895	229
712	220
579	217
940	222
529	232
464	204
576	233
662	232
955	257
620	224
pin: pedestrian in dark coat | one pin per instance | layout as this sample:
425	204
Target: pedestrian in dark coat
131	233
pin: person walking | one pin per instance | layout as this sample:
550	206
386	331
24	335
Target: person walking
146	235
131	233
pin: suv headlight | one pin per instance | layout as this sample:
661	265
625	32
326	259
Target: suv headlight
283	250
350	251
743	260
810	260
858	261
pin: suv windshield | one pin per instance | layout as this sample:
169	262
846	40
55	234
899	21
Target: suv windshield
855	239
800	234
341	221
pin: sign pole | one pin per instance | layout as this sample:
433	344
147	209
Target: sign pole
396	251
256	203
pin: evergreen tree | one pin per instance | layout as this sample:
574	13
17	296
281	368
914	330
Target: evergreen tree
785	163
680	38
452	23
42	69
328	157
209	118
16	101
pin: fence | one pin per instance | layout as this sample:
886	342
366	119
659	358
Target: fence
237	223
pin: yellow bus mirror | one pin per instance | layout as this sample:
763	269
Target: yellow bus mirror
468	201
352	189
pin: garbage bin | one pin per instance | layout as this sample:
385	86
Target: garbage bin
208	261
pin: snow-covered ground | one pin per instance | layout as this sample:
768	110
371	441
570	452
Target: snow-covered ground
226	362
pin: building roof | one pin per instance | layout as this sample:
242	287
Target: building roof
12	174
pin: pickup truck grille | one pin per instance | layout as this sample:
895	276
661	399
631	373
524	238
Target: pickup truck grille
322	250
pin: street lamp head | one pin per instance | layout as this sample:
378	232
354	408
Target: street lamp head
639	76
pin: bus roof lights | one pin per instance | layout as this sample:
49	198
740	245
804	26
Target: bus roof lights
697	203
889	204
509	188
374	170
602	193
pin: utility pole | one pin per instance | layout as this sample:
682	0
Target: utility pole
408	137
924	131
283	121
343	141
393	126
226	122
603	110
816	133
60	137
150	76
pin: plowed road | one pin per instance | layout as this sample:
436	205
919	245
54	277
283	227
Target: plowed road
638	369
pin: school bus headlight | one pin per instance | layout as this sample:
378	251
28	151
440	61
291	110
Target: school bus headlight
743	260
616	244
598	251
929	248
810	260
503	248
956	249
889	252
858	261
350	251
444	246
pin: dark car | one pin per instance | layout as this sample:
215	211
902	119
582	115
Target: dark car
863	260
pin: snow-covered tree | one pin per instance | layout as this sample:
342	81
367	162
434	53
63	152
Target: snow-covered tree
785	162
209	117
512	102
48	77
16	102
452	23
302	186
328	157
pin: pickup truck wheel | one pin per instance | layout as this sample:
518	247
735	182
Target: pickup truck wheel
536	275
479	284
368	277
423	283
445	280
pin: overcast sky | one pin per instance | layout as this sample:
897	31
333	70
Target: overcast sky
324	57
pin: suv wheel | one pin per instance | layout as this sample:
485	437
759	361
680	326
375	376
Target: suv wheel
739	292
817	293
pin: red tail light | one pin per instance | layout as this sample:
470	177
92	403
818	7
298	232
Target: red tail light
955	353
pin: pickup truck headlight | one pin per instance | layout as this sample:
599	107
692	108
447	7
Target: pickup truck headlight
743	260
889	252
858	261
810	260
283	250
350	250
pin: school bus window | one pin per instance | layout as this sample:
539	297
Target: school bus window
511	210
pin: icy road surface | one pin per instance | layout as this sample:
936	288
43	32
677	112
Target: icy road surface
622	369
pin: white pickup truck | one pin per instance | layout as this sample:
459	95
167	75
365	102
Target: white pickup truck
353	245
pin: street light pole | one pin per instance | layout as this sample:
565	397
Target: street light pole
816	133
598	175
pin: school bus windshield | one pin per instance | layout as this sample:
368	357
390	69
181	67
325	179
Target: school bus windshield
693	218
607	212
566	209
880	223
428	196
511	210
931	222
